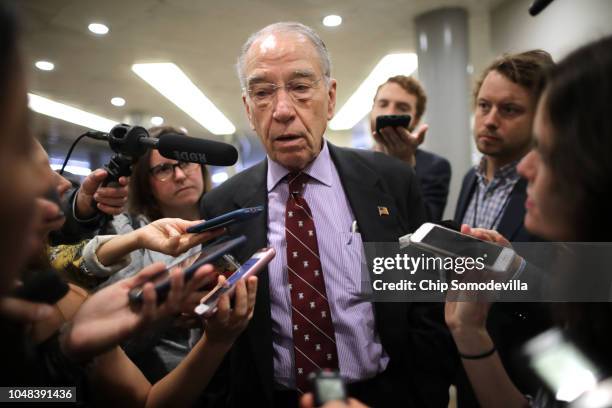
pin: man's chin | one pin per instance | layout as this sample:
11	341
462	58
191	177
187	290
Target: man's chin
294	161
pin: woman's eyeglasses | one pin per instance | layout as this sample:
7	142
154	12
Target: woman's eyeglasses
164	171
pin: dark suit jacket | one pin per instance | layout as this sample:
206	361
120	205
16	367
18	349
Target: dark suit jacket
509	324
412	334
434	174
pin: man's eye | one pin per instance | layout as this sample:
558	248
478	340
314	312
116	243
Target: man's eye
300	88
510	110
262	92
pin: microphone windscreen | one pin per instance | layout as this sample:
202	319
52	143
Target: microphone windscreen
191	149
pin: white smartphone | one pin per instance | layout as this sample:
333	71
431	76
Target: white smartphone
561	365
208	304
447	242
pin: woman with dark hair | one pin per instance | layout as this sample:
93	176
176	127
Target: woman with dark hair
570	186
84	352
163	201
105	319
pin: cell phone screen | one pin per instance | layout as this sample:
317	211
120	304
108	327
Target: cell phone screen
562	366
462	245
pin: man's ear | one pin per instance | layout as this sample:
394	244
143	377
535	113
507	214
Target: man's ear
331	95
248	111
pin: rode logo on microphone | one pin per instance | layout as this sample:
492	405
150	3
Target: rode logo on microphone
190	157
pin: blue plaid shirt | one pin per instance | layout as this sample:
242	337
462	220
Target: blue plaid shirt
490	199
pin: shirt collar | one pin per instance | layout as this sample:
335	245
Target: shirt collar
319	169
506	172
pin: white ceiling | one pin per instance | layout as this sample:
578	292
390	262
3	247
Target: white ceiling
203	38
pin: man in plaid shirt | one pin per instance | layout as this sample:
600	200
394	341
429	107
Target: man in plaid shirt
493	194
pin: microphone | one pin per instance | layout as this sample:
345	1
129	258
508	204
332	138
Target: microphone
537	6
191	149
133	141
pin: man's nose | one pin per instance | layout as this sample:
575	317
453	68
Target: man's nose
284	109
491	120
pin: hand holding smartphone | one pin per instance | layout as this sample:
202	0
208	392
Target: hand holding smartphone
447	242
208	304
210	254
226	219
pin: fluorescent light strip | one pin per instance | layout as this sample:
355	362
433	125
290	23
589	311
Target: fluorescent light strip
69	114
360	103
78	170
169	80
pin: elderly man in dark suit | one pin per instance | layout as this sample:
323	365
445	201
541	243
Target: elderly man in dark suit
404	95
322	202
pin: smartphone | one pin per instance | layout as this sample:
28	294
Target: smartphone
384	121
327	386
208	304
226	219
214	254
566	371
447	242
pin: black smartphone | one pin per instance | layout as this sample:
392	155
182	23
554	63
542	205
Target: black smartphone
226	219
214	254
384	121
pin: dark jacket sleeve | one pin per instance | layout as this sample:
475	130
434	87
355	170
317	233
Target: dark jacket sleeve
434	179
75	230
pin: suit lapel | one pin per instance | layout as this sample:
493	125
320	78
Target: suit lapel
512	221
252	193
467	190
367	198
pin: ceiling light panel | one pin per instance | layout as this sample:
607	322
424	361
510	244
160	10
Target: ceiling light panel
169	80
68	113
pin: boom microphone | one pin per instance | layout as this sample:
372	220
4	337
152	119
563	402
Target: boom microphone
196	150
133	141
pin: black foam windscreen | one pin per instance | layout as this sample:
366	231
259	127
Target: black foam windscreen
191	149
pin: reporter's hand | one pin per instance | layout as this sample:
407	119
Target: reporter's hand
307	401
399	142
109	200
170	236
227	323
106	319
486	235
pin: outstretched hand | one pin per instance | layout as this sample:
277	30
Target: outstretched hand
227	323
399	142
106	319
170	236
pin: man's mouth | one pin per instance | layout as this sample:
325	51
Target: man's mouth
286	138
488	136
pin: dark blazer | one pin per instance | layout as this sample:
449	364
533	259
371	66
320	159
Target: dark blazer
509	324
412	334
433	173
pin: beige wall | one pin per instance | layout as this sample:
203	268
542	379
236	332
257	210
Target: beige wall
560	28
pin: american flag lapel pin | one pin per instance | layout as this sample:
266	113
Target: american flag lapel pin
382	211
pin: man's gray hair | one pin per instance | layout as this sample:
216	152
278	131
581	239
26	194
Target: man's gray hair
286	27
